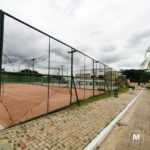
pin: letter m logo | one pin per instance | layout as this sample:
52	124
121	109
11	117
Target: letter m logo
136	137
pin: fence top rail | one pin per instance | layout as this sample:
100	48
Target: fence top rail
5	13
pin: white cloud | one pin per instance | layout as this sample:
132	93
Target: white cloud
114	31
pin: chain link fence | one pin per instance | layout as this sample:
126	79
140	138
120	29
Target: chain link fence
41	74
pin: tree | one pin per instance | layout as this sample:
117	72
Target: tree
121	81
28	71
140	76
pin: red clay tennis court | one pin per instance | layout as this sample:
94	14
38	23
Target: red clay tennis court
40	74
21	102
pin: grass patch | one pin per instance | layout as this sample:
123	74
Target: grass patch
147	84
123	90
101	97
96	98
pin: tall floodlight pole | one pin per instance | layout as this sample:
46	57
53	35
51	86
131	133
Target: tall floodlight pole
58	71
62	67
33	63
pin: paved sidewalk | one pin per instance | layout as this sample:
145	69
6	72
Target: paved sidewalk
135	122
67	129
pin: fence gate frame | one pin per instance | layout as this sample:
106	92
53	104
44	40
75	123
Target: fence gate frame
1	47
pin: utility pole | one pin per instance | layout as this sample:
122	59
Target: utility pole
18	67
33	63
62	66
33	60
58	71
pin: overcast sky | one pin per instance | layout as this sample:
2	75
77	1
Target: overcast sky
116	32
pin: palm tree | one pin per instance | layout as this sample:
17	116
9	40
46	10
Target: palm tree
146	63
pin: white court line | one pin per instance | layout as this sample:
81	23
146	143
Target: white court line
103	134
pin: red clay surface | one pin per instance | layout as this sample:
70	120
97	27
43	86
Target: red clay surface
21	102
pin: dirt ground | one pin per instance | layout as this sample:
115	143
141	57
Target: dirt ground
21	102
135	122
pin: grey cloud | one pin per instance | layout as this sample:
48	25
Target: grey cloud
82	24
68	7
23	42
111	59
109	48
113	56
61	53
127	63
138	37
95	33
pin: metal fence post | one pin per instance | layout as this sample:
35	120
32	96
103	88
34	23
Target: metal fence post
72	78
1	45
115	79
104	80
112	72
93	78
84	77
48	94
111	79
